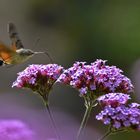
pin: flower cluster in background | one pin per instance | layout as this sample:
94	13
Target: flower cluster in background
15	130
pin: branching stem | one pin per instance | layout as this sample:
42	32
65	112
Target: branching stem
83	124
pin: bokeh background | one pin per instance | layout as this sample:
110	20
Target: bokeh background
70	30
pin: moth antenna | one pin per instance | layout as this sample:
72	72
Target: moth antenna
36	42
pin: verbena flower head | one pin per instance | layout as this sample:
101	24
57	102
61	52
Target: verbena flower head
97	77
121	117
113	99
110	78
79	76
39	78
15	130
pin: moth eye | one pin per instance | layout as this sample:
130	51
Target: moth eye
1	62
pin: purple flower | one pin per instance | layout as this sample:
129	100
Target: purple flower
97	77
113	99
39	78
15	130
135	105
110	78
121	117
79	76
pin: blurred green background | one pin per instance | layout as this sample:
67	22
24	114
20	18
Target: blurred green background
72	30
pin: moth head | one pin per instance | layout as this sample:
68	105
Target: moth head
25	52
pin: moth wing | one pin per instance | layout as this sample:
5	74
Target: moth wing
13	34
6	53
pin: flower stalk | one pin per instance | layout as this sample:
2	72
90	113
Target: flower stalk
52	119
89	106
111	131
106	134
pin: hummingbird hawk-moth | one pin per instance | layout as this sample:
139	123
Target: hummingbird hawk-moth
15	54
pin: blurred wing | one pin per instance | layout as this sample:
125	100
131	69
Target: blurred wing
16	42
6	53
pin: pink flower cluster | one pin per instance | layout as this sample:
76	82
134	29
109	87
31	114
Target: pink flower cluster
37	76
117	113
113	99
15	130
96	77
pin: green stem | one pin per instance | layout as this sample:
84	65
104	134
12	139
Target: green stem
85	119
53	122
111	131
106	134
45	99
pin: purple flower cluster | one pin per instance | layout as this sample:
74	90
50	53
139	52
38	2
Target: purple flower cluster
97	78
15	130
91	81
113	99
117	113
110	78
37	76
80	76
